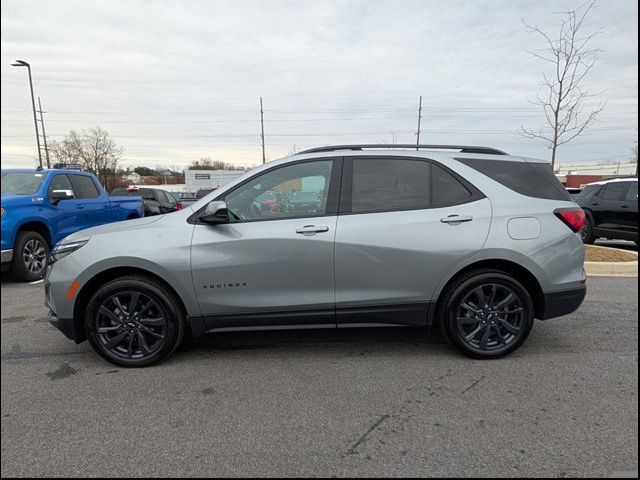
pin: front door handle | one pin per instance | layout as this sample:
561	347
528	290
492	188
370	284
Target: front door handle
312	229
456	219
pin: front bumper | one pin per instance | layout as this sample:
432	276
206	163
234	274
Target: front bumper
7	256
66	326
564	302
71	329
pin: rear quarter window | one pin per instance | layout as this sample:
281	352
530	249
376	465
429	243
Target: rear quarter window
526	178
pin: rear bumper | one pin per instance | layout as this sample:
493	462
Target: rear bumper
557	304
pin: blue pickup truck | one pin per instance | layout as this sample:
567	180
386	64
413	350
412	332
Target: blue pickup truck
41	207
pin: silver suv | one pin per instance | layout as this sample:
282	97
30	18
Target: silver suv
471	238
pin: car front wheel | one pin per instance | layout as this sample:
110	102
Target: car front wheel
134	321
31	256
487	314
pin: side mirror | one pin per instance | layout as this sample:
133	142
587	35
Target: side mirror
58	195
215	213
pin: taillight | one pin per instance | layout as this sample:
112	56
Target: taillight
573	217
179	206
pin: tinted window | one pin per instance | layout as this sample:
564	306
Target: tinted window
526	178
292	191
632	194
389	184
60	182
84	187
615	191
447	190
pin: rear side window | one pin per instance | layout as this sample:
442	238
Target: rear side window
381	185
84	187
530	179
448	190
615	191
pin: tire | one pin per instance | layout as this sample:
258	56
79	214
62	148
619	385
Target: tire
587	233
466	320
31	257
138	336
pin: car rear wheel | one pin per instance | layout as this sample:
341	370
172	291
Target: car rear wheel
31	256
487	314
134	322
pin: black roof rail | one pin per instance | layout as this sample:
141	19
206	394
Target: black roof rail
461	148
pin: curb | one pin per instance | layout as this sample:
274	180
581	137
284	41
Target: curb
611	269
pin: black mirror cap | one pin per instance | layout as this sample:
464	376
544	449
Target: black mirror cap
221	216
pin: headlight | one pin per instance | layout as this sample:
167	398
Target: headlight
64	249
2	210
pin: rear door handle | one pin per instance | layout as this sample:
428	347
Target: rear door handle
455	219
312	229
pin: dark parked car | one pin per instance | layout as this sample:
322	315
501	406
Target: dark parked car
304	202
155	200
203	192
612	210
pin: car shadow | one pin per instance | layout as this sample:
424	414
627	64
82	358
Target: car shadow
350	340
621	244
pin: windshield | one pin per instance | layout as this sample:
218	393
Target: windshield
21	183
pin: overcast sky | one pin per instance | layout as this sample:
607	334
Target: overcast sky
174	81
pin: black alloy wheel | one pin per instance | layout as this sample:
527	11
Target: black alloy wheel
134	321
486	314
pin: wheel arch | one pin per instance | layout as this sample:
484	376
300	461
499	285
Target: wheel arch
37	226
520	273
87	290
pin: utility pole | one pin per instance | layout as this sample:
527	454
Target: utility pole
419	121
22	63
44	134
264	158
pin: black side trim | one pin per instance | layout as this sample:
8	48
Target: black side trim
557	304
270	319
407	314
411	314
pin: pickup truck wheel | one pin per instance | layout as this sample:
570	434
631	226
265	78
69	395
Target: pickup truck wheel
487	314
31	257
134	321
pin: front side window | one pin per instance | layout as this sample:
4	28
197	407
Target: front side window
60	182
292	191
389	184
616	191
84	187
632	194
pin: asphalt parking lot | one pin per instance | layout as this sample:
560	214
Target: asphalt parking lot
373	402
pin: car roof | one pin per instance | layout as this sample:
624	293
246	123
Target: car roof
423	153
614	180
44	170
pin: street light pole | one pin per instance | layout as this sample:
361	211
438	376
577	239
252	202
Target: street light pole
22	63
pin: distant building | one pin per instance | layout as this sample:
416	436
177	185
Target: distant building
133	178
196	179
579	174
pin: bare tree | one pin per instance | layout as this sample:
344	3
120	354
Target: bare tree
207	164
562	95
93	149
